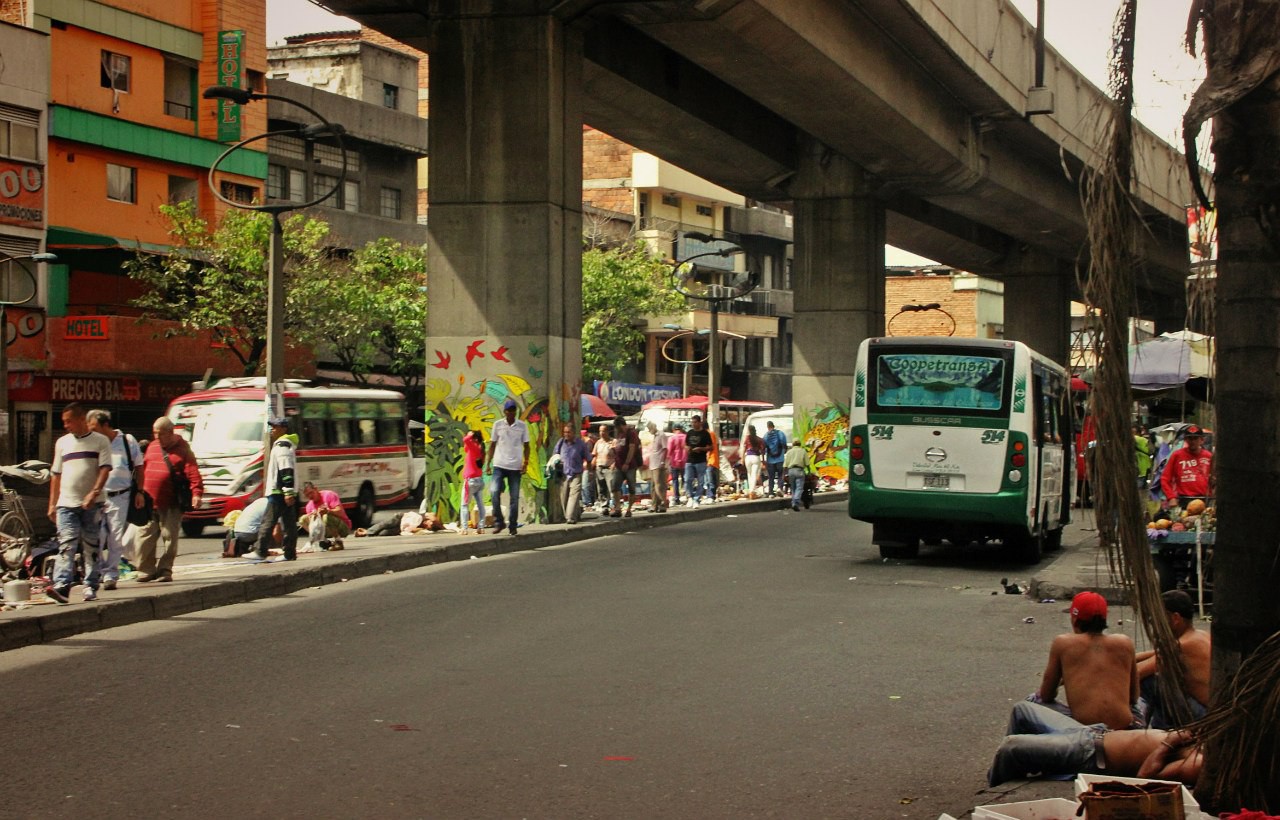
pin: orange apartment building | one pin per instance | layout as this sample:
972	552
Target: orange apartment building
127	131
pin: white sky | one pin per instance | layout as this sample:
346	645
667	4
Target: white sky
1164	75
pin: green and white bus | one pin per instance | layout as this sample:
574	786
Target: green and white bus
959	439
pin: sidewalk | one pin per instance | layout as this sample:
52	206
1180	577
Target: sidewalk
1081	565
211	581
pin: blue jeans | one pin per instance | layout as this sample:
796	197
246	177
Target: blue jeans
695	476
512	480
76	525
795	477
677	479
1067	747
773	472
1156	715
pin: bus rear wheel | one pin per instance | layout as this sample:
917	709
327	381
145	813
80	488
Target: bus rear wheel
1023	547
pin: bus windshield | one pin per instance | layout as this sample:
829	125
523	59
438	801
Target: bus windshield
931	381
223	428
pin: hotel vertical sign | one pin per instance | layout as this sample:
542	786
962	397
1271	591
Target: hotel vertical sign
230	69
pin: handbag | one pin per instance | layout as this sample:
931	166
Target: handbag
138	516
181	485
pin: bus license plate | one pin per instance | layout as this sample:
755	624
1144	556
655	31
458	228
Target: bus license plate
937	482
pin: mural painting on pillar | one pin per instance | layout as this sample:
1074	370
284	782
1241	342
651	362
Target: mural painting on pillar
824	430
468	381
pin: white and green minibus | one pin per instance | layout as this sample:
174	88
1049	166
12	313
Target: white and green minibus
959	439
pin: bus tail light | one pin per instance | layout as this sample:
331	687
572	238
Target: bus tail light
857	451
1019	458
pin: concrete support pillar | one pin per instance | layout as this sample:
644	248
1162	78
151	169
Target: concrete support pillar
839	296
1037	308
505	226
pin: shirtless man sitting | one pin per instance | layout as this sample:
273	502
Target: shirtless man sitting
1194	647
1069	748
1097	670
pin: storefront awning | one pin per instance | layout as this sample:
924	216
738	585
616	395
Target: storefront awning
71	238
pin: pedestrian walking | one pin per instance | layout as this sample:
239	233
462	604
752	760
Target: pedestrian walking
171	477
796	463
656	455
126	471
589	438
753	457
602	460
573	461
281	491
697	445
713	467
677	457
472	483
626	460
81	463
508	456
775	452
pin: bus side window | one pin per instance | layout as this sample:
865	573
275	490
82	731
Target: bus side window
391	425
368	431
313	415
340	424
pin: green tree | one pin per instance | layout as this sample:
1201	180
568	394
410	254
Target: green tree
620	286
369	311
215	278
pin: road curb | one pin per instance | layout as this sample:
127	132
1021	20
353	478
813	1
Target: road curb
1082	566
157	601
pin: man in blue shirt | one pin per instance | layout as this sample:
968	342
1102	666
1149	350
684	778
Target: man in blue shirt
573	454
775	452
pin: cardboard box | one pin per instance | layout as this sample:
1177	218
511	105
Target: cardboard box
1190	808
1052	808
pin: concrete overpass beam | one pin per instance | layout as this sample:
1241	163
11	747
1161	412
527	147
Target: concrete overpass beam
1037	306
505	230
839	294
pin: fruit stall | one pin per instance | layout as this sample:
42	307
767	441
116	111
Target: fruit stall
1182	549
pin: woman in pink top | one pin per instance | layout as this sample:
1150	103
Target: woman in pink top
472	482
677	455
324	518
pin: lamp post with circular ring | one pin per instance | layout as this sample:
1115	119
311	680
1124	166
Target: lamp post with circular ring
275	270
742	284
686	380
17	287
920	309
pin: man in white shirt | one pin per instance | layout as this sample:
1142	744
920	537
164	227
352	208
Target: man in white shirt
656	457
508	455
81	462
126	468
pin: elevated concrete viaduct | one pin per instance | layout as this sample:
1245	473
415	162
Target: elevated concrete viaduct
872	120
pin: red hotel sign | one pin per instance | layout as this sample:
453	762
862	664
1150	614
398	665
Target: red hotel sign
21	194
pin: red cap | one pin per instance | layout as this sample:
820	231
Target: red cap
1088	605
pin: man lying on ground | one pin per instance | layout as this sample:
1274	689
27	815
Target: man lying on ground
1069	748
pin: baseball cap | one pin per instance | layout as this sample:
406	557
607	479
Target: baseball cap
1193	431
278	421
510	404
1088	605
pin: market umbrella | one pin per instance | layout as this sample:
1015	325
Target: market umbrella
1079	385
595	406
1168	361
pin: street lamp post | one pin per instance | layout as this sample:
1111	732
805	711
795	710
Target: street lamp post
742	285
275	269
9	297
686	381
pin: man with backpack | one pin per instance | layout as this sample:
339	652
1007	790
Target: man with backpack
775	452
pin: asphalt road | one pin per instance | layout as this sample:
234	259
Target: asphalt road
768	665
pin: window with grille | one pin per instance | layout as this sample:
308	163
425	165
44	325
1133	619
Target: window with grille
330	155
705	210
122	183
237	192
671	199
351	196
290	147
275	182
389	203
322	184
390	96
297	186
115	71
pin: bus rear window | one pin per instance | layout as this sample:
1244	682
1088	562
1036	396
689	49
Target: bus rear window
937	381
